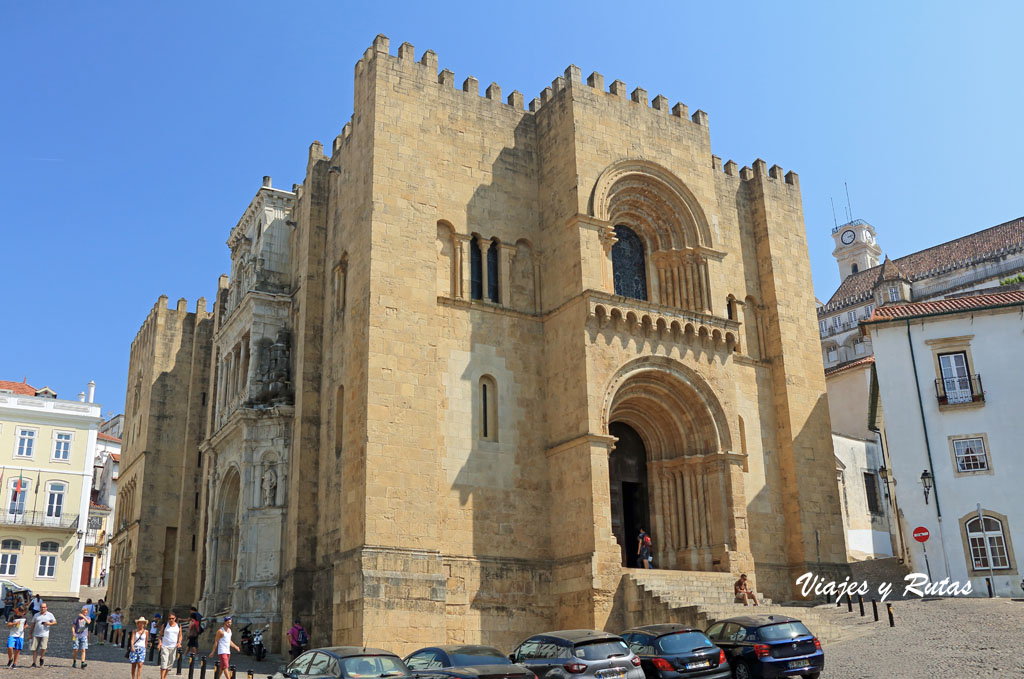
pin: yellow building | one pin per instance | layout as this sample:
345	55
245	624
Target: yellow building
47	447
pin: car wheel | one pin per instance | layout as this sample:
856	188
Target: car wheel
741	670
814	676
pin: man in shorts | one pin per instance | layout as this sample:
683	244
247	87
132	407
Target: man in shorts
222	646
41	625
170	644
80	636
102	613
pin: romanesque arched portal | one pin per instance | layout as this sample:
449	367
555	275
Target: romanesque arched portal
693	484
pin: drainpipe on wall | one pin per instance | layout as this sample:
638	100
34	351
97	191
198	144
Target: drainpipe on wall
927	447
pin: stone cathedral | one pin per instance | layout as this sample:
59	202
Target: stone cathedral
456	370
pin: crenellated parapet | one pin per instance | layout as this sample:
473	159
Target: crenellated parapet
569	80
760	169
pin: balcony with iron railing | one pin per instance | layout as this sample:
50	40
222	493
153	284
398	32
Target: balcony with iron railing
958	391
42	519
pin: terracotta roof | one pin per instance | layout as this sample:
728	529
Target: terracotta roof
107	437
21	388
956	254
889	312
116	457
842	367
97	505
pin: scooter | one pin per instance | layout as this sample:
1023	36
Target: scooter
246	639
259	651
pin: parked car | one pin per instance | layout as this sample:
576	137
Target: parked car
768	646
673	651
464	662
344	662
584	653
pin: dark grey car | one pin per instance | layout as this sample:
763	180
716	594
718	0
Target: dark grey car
584	653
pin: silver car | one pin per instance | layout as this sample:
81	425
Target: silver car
583	653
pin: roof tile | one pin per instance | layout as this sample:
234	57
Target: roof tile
889	312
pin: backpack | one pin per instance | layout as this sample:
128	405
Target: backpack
302	637
647	540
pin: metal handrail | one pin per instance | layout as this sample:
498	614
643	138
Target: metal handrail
37	518
956	390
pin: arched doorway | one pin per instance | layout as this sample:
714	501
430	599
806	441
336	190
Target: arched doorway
226	545
673	470
627	471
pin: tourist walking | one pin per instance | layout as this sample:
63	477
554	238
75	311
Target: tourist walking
92	616
80	636
298	638
194	628
15	636
222	646
35	606
643	550
8	605
116	627
137	648
41	624
102	616
170	644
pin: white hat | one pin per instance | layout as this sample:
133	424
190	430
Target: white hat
140	620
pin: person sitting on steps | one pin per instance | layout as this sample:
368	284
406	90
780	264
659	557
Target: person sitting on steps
742	590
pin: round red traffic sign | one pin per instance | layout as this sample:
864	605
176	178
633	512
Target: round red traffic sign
921	534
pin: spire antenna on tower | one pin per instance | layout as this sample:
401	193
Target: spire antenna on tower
849	206
834	220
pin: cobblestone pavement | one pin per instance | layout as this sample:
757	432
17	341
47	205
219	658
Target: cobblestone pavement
109	662
958	638
933	639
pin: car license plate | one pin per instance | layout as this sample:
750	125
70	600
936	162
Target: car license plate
611	674
795	664
698	665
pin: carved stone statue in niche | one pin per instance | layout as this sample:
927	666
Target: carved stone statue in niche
273	372
269	487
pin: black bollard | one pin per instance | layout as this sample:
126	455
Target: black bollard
839	600
892	621
849	603
250	674
232	669
202	668
874	607
191	665
152	647
828	597
860	602
988	583
177	670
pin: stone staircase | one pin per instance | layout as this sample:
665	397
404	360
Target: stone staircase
699	599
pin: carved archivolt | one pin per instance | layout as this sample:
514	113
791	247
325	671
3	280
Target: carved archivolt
650	198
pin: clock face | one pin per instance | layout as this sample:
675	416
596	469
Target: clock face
848	237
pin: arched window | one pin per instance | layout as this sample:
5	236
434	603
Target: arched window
854	268
488	408
492	272
9	550
339	422
987	543
476	270
629	267
47	559
55	499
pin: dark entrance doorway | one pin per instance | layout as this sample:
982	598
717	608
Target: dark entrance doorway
627	471
86	579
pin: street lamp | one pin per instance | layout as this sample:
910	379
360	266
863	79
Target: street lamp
80	534
926	481
883	473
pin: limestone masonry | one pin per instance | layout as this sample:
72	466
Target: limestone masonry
456	369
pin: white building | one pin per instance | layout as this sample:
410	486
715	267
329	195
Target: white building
974	261
949	376
102	506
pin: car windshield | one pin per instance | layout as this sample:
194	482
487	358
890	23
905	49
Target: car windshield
484	655
364	666
682	642
783	630
601	649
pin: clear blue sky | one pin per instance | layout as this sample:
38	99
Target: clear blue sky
134	134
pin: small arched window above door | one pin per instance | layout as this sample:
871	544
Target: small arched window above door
629	265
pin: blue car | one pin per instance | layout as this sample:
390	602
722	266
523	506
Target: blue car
768	646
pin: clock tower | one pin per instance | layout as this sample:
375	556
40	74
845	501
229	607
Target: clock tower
856	248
